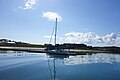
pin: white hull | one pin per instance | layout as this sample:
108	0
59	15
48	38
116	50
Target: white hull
58	52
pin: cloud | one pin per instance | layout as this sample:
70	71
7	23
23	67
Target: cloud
52	16
29	4
76	37
89	38
92	38
110	38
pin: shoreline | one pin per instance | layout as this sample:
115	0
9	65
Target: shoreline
42	50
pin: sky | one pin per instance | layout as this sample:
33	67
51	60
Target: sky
91	22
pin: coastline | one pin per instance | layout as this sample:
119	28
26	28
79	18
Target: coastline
42	50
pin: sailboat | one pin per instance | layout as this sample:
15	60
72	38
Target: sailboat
56	51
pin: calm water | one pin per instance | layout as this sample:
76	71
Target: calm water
38	66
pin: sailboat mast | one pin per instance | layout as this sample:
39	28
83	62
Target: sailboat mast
55	31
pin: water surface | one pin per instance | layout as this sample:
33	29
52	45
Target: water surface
39	66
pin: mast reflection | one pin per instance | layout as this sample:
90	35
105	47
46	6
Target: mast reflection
54	57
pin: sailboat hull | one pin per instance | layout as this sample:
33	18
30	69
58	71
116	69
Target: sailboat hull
58	52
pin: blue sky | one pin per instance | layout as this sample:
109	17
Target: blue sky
93	22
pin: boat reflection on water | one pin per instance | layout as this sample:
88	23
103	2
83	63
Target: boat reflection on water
52	68
57	56
54	57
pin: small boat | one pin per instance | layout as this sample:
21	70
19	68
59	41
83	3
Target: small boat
57	51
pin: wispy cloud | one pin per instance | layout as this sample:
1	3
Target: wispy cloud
52	16
29	4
